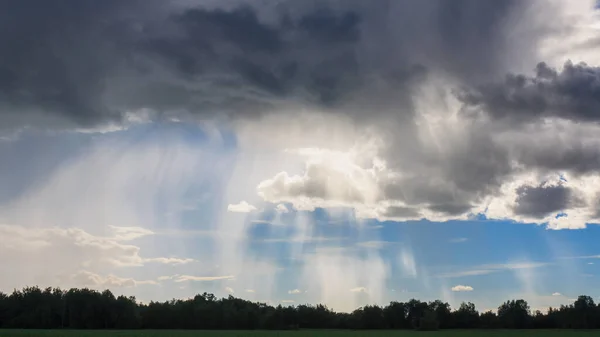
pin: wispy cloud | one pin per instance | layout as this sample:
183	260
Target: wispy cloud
492	268
295	291
78	243
359	290
458	240
129	233
267	222
521	265
556	294
474	272
89	279
184	278
375	227
583	257
200	233
374	244
169	260
301	239
330	250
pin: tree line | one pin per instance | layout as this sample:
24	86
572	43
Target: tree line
53	308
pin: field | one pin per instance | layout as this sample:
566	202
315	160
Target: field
303	333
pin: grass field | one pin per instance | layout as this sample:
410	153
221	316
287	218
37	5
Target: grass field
302	333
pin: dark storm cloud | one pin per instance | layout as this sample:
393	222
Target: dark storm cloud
58	58
450	208
596	206
571	94
541	201
313	53
467	24
440	198
44	63
453	182
574	156
88	61
401	212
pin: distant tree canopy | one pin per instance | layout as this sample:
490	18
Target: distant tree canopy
52	308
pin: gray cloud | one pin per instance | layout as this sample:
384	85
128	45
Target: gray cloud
596	205
57	59
419	192
312	53
541	201
451	183
401	212
85	63
558	155
572	94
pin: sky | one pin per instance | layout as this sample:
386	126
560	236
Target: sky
293	152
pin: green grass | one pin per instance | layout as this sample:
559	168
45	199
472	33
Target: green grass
302	333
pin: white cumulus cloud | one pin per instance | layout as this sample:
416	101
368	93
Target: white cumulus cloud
461	288
242	207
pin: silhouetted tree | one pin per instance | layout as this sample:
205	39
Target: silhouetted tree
584	310
395	315
429	321
442	313
415	310
373	317
466	316
53	308
514	314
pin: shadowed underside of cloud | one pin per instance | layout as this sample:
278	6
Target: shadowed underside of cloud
399	103
572	93
543	200
87	63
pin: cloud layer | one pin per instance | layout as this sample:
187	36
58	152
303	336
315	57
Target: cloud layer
150	55
425	94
